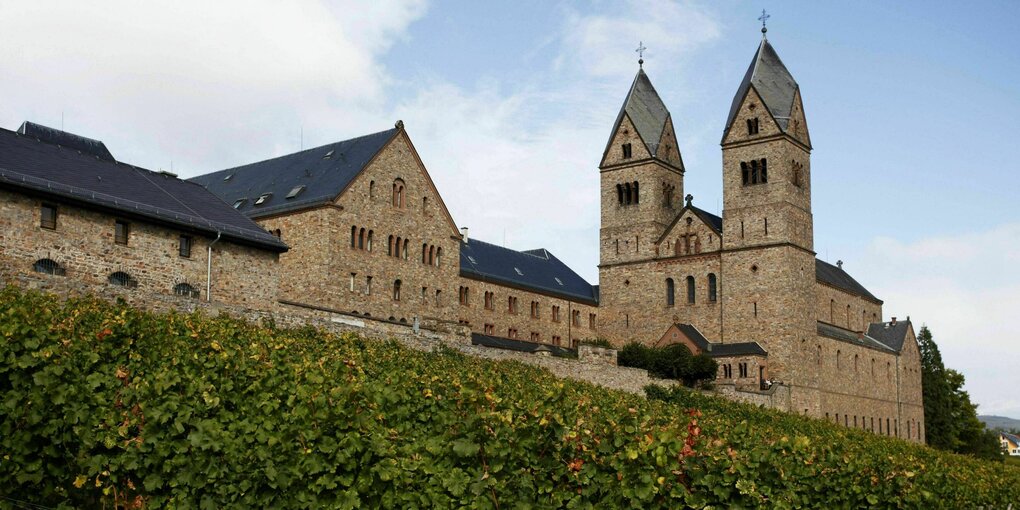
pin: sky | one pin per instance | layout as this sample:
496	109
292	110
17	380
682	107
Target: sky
913	110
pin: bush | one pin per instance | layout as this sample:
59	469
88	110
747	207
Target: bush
104	406
670	362
598	342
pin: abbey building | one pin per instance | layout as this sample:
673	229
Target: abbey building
358	230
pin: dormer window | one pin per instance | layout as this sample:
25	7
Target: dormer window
295	191
263	198
239	202
626	151
752	126
329	155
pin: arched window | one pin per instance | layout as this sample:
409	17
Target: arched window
847	316
713	293
764	170
439	256
369	245
432	255
186	290
754	172
744	174
407	246
398	193
424	253
371	189
832	311
872	367
396	290
48	266
619	193
669	292
425	205
122	279
690	290
389	250
637	196
839	360
354	237
626	188
855	362
818	355
361	239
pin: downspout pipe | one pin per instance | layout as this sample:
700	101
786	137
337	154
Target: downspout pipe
208	269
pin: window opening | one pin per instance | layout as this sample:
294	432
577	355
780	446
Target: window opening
48	217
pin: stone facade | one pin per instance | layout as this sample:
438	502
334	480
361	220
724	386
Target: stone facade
753	278
83	245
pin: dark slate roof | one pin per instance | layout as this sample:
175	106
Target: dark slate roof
1013	439
517	345
850	337
717	350
889	334
773	82
709	218
65	139
837	277
646	110
536	270
56	170
323	171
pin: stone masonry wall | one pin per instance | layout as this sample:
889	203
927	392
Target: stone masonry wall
846	310
83	244
502	319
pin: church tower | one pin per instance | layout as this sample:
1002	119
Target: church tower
768	262
642	176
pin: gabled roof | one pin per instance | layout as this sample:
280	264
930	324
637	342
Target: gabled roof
845	335
772	81
517	345
717	350
535	270
837	277
85	177
646	111
892	335
714	222
1012	438
323	171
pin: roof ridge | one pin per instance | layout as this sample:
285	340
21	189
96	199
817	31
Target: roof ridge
289	154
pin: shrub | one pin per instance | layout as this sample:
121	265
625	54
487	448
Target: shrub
673	361
598	342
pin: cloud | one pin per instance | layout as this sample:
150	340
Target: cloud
965	288
204	83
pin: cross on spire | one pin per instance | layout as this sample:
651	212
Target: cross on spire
763	18
641	53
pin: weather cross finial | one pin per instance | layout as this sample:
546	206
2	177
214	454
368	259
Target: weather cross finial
763	18
641	54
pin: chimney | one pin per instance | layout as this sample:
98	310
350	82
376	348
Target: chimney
464	233
893	321
839	264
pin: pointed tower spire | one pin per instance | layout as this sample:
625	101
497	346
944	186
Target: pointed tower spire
772	81
646	112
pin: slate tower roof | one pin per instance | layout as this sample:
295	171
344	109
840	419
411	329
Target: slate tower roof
646	111
772	81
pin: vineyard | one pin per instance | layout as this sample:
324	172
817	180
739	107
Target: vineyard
104	406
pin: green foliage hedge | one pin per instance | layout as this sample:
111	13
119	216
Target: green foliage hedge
670	362
104	405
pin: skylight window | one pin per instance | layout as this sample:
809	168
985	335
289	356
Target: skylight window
519	272
262	199
472	259
329	155
239	203
558	280
296	191
228	177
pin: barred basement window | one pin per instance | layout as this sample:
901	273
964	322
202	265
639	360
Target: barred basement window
186	290
122	279
48	266
48	217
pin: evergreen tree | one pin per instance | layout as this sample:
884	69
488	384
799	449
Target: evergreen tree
950	417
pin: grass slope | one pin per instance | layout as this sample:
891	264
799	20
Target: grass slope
106	405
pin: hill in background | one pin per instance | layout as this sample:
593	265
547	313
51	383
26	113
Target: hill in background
1000	422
